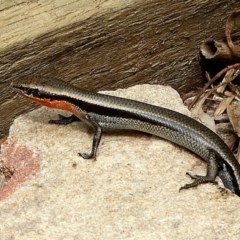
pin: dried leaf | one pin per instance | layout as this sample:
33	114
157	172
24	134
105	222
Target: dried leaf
198	113
223	105
227	78
233	21
217	76
207	120
225	131
233	111
234	89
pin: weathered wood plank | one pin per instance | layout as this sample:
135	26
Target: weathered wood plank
105	44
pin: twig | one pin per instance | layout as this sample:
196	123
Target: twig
218	75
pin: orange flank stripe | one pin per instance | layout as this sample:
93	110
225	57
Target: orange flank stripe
61	104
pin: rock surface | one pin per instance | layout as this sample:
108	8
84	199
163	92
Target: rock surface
130	192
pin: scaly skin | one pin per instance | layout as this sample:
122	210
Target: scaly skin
108	112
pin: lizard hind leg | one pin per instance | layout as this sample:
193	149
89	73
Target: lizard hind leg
212	170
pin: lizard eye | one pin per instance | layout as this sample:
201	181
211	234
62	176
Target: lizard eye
28	91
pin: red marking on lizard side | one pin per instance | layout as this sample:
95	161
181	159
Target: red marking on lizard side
60	104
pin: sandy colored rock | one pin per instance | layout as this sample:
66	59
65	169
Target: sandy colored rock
130	192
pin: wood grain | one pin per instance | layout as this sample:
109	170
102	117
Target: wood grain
105	44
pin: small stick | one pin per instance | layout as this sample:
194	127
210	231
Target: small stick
218	75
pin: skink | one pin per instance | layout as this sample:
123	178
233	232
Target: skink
103	112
